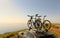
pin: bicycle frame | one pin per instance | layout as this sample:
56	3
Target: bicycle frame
44	17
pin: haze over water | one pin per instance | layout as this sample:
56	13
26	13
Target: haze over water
11	27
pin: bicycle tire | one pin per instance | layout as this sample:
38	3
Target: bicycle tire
38	25
48	25
29	24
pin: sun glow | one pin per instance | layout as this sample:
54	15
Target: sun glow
13	20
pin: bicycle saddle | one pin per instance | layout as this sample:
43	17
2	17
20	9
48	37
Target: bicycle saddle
29	16
45	16
37	15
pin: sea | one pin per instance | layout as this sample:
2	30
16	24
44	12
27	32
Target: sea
11	27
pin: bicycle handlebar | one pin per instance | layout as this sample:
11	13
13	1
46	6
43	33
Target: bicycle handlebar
36	16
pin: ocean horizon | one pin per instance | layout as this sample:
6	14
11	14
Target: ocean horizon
11	27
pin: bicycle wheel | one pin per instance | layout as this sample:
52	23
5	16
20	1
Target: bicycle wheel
38	25
29	24
46	24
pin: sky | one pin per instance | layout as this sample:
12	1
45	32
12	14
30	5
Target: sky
16	11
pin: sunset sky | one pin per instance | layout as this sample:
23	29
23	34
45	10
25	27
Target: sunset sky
16	11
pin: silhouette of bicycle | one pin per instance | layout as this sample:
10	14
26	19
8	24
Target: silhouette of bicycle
37	23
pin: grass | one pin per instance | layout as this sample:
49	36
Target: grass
56	30
10	33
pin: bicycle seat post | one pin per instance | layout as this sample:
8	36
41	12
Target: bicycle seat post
44	17
31	17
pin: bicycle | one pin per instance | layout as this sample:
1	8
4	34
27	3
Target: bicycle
45	24
30	21
38	24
